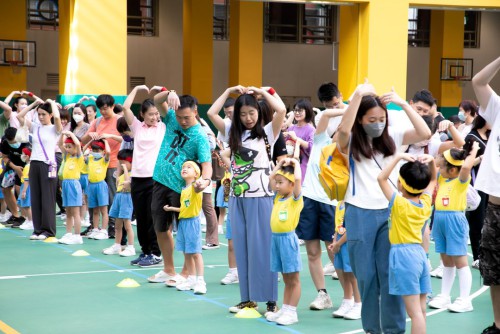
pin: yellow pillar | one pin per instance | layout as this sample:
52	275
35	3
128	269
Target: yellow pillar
92	47
246	43
13	28
446	41
198	49
374	48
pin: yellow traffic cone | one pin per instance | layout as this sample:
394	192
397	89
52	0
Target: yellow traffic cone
51	240
128	283
80	253
248	313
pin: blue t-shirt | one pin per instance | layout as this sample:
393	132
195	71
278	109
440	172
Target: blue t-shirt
177	146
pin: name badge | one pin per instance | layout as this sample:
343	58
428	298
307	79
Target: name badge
283	216
446	201
187	203
341	230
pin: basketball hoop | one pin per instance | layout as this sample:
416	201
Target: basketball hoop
15	66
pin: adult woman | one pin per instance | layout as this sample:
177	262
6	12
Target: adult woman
79	121
91	113
364	134
467	111
43	172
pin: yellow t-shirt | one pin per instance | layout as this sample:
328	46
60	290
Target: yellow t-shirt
85	169
339	218
286	213
451	195
97	169
408	218
72	167
119	187
190	202
26	173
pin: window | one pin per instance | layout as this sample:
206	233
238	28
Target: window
419	24
43	14
297	23
142	17
221	19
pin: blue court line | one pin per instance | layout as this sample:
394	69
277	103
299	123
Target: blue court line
200	297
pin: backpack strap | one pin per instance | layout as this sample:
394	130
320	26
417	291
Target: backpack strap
97	122
268	148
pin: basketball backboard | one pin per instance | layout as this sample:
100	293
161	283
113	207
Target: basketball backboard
22	53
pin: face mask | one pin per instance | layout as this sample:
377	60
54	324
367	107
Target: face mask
443	136
127	138
78	118
374	130
461	116
24	157
423	143
96	155
15	145
290	149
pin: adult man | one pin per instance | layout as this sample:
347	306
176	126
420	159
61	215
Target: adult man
487	181
184	140
331	98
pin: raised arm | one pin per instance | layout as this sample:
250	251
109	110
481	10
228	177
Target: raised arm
383	177
127	112
272	181
325	117
276	104
7	110
107	150
297	173
429	159
21	116
458	141
11	95
76	141
55	115
464	174
166	99
481	81
213	112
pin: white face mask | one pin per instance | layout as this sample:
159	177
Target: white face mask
24	157
78	118
290	149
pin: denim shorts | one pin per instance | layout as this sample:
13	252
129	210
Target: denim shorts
285	253
188	238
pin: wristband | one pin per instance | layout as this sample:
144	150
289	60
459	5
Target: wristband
271	91
163	89
30	94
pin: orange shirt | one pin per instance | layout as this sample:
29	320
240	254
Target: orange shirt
108	126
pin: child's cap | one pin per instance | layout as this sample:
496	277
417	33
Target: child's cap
98	144
69	140
195	167
451	160
409	188
289	176
26	151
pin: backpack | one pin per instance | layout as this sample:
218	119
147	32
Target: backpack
333	172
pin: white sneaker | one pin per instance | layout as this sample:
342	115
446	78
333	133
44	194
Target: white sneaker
345	307
85	223
230	278
429	265
113	250
27	225
65	238
160	277
335	275
5	216
440	301
354	313
186	285
301	242
438	272
461	305
321	302
134	222
73	239
128	251
200	288
203	228
273	316
93	233
63	217
475	264
101	235
328	269
287	318
220	229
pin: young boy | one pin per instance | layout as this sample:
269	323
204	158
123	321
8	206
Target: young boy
285	256
188	238
408	269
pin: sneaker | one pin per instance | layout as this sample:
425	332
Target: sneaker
272	316
85	223
150	260
200	288
128	251
328	269
101	235
210	246
220	229
71	239
287	318
238	307
440	301
65	237
60	213
301	242
187	285
5	217
134	222
461	305
345	307
176	280
230	278
335	276
493	329
63	216
438	272
91	233
321	302
271	307
33	237
475	264
41	237
87	232
27	225
354	313
159	277
136	261
113	250
18	221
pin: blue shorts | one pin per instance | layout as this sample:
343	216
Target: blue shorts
341	260
408	270
450	232
97	194
229	234
219	198
317	221
84	182
285	254
122	206
23	203
71	193
189	236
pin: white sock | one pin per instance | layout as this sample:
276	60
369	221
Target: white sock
465	281
447	281
349	301
200	279
233	270
289	308
130	246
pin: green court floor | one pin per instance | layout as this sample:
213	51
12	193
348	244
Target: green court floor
44	289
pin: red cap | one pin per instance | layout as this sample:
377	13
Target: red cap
99	143
27	151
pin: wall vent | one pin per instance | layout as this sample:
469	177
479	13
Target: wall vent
137	81
52	79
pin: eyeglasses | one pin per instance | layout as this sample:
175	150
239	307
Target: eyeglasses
298	111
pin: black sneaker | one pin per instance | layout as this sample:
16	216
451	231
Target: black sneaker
87	231
18	221
272	307
11	221
493	329
238	307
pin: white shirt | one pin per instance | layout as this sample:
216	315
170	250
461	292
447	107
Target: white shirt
367	193
224	137
488	178
49	137
333	124
433	146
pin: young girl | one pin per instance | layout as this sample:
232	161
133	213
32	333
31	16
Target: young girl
97	192
24	199
350	308
285	255
188	238
71	188
451	230
122	208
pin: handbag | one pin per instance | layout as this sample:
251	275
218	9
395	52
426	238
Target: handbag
218	167
473	199
333	172
22	134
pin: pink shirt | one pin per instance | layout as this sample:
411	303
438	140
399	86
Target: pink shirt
147	143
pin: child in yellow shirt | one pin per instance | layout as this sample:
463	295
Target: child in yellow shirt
24	199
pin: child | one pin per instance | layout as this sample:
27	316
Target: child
84	182
451	229
408	270
285	256
351	304
97	191
122	208
188	229
24	199
71	188
4	213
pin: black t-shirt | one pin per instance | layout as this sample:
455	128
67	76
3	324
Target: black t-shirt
474	135
279	147
14	154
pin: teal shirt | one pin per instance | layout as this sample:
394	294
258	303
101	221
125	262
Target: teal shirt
178	146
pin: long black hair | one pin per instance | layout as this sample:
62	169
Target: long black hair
237	127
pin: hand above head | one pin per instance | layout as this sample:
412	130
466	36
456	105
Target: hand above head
444	125
425	158
239	89
407	157
393	97
142	87
365	89
173	100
